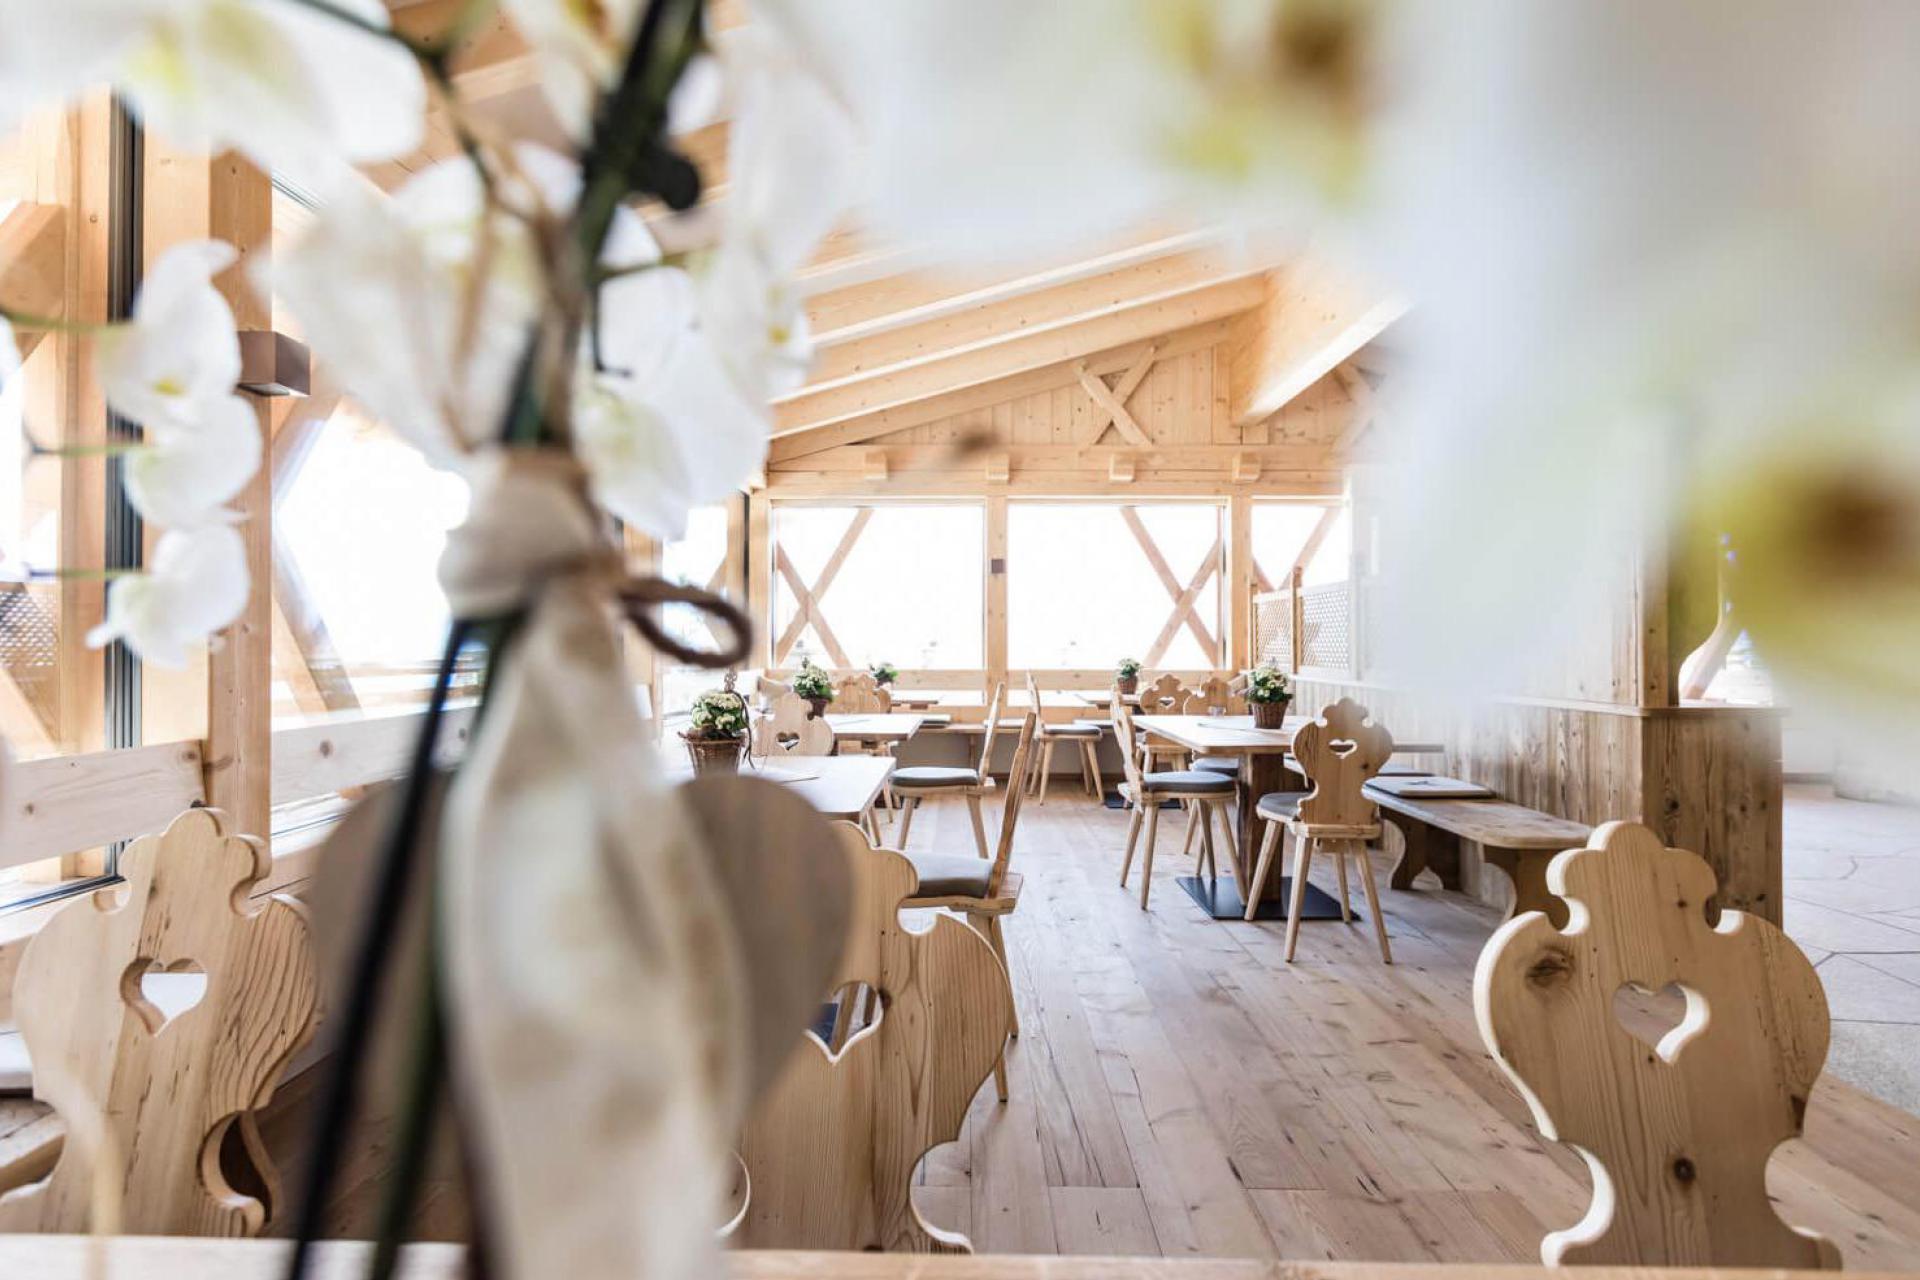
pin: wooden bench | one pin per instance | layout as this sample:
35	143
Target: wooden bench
1518	840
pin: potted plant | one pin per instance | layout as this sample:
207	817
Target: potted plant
813	684
885	673
717	730
1268	693
1126	674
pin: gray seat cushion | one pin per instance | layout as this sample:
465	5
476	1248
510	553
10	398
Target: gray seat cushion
933	775
1218	764
951	875
1078	729
1280	805
1188	780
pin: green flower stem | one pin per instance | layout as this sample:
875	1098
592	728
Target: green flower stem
50	324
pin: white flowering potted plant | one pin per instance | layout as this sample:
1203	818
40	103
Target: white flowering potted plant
1126	675
716	731
814	685
1269	693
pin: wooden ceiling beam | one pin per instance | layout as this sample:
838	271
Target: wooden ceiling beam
798	442
1314	316
864	309
1075	338
1012	313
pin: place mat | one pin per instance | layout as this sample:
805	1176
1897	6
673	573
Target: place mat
1431	788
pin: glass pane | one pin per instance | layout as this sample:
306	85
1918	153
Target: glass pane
697	560
359	531
911	589
1082	592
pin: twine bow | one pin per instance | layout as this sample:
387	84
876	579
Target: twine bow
531	524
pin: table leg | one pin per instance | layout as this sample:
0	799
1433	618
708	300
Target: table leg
1260	773
1527	869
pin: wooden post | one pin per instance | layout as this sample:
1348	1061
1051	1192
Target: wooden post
1240	571
192	196
760	577
996	578
1299	626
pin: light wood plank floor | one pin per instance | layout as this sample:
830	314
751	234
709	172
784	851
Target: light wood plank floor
1177	1089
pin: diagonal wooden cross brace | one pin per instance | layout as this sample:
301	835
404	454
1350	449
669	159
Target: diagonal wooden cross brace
807	599
1184	612
1110	403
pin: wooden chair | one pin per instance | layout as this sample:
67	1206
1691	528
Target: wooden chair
861	694
152	1084
831	1147
984	894
1677	1136
786	726
1210	791
1216	696
1083	734
1339	752
1166	696
913	784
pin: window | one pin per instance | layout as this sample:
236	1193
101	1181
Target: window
1091	583
697	560
358	527
855	585
1282	530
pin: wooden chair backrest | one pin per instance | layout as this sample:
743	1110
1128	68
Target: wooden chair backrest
1123	734
1010	804
992	727
1677	1137
1339	753
788	727
1165	697
860	693
831	1148
166	1085
1215	691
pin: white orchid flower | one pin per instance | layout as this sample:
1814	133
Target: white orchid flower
792	160
292	87
381	286
663	427
1006	126
1648	247
180	351
196	585
182	477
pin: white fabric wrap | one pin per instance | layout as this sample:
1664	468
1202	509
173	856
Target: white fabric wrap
595	981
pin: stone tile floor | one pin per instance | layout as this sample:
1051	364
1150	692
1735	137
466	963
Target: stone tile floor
1853	905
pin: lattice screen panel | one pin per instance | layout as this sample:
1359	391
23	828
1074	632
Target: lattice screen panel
1273	629
1325	625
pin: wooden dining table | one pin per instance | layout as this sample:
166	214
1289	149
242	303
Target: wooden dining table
875	726
1262	754
51	1257
841	788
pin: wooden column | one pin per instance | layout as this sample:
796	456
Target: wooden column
191	196
1238	648
996	553
760	577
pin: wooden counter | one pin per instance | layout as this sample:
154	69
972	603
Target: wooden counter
64	1258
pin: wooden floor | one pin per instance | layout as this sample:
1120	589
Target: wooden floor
1178	1090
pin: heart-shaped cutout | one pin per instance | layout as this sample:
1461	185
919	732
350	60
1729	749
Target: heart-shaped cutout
1343	747
1663	1020
160	993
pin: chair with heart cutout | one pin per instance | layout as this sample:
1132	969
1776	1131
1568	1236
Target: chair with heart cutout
150	1069
1676	1123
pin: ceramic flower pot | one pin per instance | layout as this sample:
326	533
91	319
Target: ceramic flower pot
819	706
1129	684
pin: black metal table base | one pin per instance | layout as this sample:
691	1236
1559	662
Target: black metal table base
1221	899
